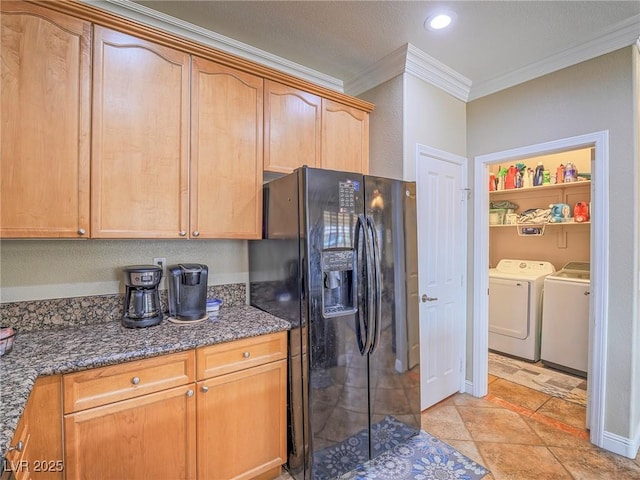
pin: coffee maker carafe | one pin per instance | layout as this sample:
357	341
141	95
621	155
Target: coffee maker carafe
187	290
141	299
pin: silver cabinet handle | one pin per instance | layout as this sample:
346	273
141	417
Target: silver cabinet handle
135	380
246	354
425	298
18	446
81	231
189	393
182	233
196	233
204	389
587	292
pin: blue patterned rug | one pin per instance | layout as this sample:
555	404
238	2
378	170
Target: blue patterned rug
421	457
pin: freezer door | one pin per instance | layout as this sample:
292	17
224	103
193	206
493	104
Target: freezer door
394	373
338	395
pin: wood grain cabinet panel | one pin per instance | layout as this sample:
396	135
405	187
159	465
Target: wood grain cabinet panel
140	128
226	152
40	431
345	137
99	386
45	100
292	133
242	422
148	437
230	357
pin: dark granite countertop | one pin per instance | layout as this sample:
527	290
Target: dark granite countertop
48	352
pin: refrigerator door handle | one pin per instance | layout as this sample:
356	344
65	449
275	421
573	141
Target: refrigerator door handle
361	315
376	291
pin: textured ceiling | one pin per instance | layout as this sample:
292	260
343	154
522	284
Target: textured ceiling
342	39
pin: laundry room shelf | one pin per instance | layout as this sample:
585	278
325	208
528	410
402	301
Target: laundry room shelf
539	188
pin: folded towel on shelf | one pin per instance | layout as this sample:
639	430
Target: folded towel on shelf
535	215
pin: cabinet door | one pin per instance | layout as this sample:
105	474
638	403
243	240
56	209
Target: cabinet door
147	437
345	138
291	128
45	129
226	152
242	423
139	175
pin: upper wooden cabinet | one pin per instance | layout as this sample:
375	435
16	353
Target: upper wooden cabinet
345	137
139	176
44	167
226	152
292	134
137	133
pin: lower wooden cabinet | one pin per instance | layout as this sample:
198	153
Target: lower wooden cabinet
148	437
215	413
241	423
36	450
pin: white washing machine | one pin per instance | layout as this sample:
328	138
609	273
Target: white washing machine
565	319
515	307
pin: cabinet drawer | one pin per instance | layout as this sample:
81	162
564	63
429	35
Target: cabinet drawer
100	386
238	355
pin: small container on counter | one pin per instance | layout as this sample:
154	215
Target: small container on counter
213	305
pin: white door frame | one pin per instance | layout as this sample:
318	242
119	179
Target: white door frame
426	151
599	265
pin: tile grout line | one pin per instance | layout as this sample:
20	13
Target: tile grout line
539	417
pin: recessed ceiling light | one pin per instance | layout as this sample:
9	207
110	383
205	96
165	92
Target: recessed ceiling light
439	21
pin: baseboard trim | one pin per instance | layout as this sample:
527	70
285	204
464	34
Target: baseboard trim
621	445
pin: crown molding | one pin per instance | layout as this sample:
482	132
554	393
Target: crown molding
622	35
411	60
147	16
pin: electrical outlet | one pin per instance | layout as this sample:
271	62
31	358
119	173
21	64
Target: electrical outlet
161	262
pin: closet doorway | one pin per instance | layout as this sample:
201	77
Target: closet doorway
599	265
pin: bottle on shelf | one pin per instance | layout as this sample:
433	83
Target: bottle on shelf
570	172
560	174
538	175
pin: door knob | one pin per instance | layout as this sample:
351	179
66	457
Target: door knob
426	298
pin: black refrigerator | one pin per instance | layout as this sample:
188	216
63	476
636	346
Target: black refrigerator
338	260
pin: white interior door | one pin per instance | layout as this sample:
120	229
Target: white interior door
441	273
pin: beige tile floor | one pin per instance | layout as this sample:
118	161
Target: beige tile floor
520	434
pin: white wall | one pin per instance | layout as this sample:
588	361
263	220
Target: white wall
39	269
385	129
592	96
433	118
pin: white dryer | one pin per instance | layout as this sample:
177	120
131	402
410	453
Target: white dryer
515	307
565	319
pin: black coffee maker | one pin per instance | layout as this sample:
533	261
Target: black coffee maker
187	291
141	299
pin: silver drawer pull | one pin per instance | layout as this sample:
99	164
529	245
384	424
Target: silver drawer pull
204	389
81	231
189	393
18	446
246	354
135	380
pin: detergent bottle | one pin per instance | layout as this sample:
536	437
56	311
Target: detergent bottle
538	175
510	178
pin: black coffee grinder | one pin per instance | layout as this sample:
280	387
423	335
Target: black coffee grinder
141	299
